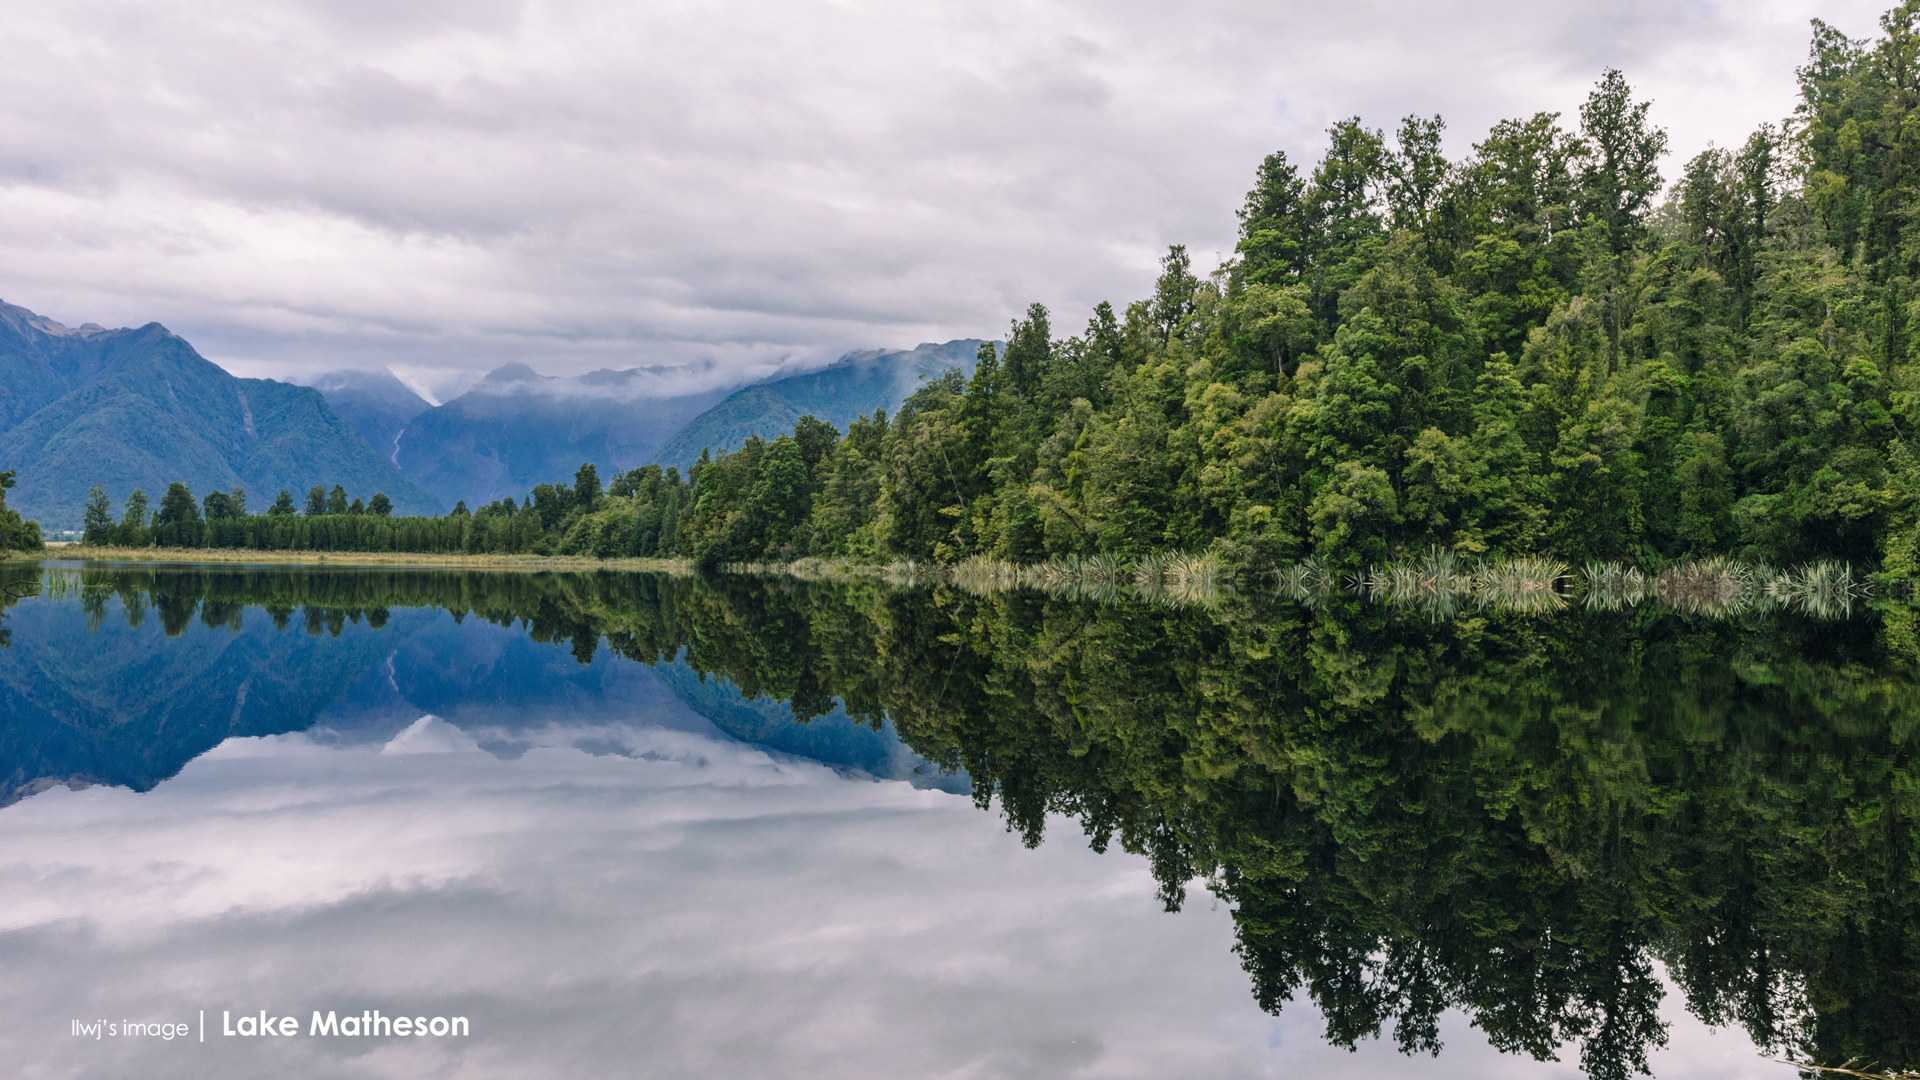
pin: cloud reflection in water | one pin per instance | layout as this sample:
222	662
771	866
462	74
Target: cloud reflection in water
681	906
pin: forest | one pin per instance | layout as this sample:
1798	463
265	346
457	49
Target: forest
1542	347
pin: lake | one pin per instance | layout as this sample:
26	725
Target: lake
610	824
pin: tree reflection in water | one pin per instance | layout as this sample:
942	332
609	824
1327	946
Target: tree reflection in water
1520	817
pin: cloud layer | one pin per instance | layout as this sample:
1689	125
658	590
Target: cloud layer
448	186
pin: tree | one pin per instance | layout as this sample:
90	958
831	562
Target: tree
16	533
282	505
358	508
1343	212
1619	161
176	507
586	487
381	506
218	506
816	438
1272	245
1173	293
98	520
1029	351
551	503
337	500
316	501
135	514
1417	172
1619	175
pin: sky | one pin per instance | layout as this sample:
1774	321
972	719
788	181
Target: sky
444	186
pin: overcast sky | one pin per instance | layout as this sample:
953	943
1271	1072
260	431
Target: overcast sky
445	186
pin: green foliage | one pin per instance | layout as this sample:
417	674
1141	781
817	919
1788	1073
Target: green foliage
1522	352
16	533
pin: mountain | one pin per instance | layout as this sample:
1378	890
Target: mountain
854	385
378	405
140	408
519	428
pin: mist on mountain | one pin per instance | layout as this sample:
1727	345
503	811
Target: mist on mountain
854	385
378	405
518	428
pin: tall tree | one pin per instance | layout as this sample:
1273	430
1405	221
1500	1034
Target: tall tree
1272	246
135	512
1619	176
177	506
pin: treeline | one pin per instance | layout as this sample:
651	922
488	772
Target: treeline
555	518
1525	350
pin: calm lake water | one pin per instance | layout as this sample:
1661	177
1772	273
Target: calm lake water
630	825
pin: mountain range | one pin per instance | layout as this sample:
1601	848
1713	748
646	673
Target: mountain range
140	408
519	428
378	406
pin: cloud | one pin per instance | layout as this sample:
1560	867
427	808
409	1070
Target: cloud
446	187
695	909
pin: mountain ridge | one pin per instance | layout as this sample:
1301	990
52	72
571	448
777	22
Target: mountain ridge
518	428
139	407
854	385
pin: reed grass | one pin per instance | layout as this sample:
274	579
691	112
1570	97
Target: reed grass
1716	586
1193	580
1824	589
1719	587
1437	584
1613	586
1529	585
1163	578
1434	583
1308	581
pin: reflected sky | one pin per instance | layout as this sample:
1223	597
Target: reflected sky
696	908
611	869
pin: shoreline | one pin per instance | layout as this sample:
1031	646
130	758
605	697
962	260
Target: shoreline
334	559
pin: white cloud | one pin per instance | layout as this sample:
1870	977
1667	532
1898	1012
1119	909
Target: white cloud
449	186
695	910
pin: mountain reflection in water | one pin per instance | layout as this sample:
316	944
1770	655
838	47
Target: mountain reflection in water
1523	819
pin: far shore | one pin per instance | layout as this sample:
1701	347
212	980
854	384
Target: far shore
57	551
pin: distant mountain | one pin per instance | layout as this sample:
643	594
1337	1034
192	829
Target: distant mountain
378	405
854	385
519	428
140	408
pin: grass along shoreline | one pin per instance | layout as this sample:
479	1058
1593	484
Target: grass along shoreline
1436	583
396	559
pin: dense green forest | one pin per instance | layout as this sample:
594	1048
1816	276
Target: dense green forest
1513	817
1527	350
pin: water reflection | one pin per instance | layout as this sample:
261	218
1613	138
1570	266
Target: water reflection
1516	820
